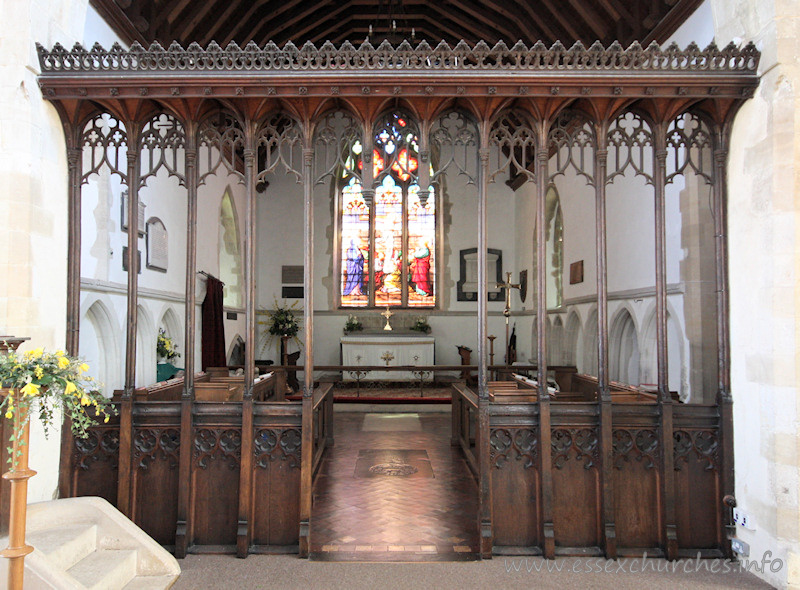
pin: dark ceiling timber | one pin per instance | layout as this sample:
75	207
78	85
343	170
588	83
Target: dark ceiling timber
188	21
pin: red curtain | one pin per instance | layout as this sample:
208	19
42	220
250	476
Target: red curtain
213	338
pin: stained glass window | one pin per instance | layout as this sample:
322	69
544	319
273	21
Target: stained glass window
402	271
355	246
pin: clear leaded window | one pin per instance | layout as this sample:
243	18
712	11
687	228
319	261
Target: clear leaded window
394	264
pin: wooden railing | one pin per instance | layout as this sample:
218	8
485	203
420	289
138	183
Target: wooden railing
465	423
322	405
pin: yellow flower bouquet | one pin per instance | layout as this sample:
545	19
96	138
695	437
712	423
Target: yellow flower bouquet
50	382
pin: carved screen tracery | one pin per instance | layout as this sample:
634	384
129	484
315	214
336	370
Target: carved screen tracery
689	146
630	146
220	147
162	145
514	147
104	142
279	147
571	140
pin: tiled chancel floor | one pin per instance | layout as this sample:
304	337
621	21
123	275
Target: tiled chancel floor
367	517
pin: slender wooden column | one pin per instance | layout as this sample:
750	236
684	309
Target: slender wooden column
190	334
250	262
603	395
368	193
540	254
74	155
124	486
483	433
133	155
183	525
74	161
246	464
307	456
724	397
669	531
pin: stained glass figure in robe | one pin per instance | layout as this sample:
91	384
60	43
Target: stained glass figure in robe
421	245
355	246
388	243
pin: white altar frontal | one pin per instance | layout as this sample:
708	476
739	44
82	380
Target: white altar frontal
384	350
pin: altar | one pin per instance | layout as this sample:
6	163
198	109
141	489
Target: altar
392	350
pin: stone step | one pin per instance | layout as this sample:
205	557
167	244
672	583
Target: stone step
105	569
150	583
66	545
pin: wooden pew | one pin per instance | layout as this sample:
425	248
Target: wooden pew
518	389
213	386
163	391
584	388
218	391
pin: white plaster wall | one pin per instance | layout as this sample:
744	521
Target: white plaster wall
104	279
763	215
279	242
33	235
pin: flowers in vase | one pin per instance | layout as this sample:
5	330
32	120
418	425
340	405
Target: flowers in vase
421	325
165	348
353	324
57	382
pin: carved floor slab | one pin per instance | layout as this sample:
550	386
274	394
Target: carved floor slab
393	463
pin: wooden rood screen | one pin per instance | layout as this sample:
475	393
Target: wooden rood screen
578	476
198	487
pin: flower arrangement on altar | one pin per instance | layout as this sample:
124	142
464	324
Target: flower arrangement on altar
165	348
57	384
421	325
353	324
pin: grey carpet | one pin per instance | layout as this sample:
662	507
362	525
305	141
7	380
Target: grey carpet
211	572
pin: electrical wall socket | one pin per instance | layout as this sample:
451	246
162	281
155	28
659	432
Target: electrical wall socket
740	547
742	519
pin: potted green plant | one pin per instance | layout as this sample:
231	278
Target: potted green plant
421	325
353	324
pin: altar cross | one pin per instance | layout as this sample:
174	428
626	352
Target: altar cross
387	314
